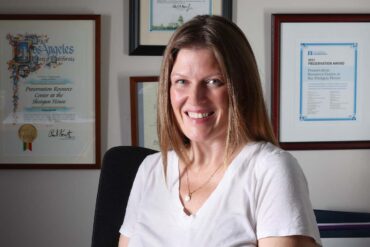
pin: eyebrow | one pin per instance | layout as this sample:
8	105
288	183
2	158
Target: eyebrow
207	76
176	74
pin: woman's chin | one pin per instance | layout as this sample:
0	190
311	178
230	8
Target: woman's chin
205	137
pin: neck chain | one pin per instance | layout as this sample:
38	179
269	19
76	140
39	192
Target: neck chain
187	198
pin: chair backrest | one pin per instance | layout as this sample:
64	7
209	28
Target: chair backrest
118	171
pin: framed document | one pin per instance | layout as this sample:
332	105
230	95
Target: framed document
320	71
152	22
49	91
143	91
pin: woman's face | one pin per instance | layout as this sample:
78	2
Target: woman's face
199	95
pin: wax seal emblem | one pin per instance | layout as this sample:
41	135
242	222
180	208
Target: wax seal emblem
27	133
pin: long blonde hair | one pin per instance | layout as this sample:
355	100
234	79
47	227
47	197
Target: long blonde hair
247	119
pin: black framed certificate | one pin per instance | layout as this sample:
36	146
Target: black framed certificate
152	22
49	91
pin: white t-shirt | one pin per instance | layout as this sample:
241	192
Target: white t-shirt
262	193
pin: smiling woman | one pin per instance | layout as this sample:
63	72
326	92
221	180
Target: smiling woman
219	179
199	97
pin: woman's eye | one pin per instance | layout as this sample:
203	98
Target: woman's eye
214	82
180	82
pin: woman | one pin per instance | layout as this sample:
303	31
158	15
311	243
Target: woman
219	179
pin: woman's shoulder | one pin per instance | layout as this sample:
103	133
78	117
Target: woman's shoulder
155	161
152	158
266	156
268	151
151	161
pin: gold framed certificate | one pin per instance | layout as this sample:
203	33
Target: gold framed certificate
49	91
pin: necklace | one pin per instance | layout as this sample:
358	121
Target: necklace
187	198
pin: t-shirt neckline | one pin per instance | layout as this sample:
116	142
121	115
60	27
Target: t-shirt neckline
174	190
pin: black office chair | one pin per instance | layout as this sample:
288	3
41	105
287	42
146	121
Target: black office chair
119	168
118	171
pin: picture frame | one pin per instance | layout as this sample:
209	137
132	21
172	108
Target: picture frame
147	34
50	91
143	97
318	81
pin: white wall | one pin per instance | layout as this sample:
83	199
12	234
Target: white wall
52	208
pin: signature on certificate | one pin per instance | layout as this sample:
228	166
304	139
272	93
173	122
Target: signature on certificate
179	6
61	133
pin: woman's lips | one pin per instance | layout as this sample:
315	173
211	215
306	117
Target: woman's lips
199	115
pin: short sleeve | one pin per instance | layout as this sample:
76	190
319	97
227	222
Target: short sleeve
133	203
283	206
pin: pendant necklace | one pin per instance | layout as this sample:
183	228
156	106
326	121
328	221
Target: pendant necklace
187	198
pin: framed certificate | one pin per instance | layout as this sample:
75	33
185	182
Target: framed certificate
144	111
49	91
152	22
320	71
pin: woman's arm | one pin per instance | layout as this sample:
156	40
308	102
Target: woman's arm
123	241
291	241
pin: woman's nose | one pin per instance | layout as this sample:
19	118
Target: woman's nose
197	94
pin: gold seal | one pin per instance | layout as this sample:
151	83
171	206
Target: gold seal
27	133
